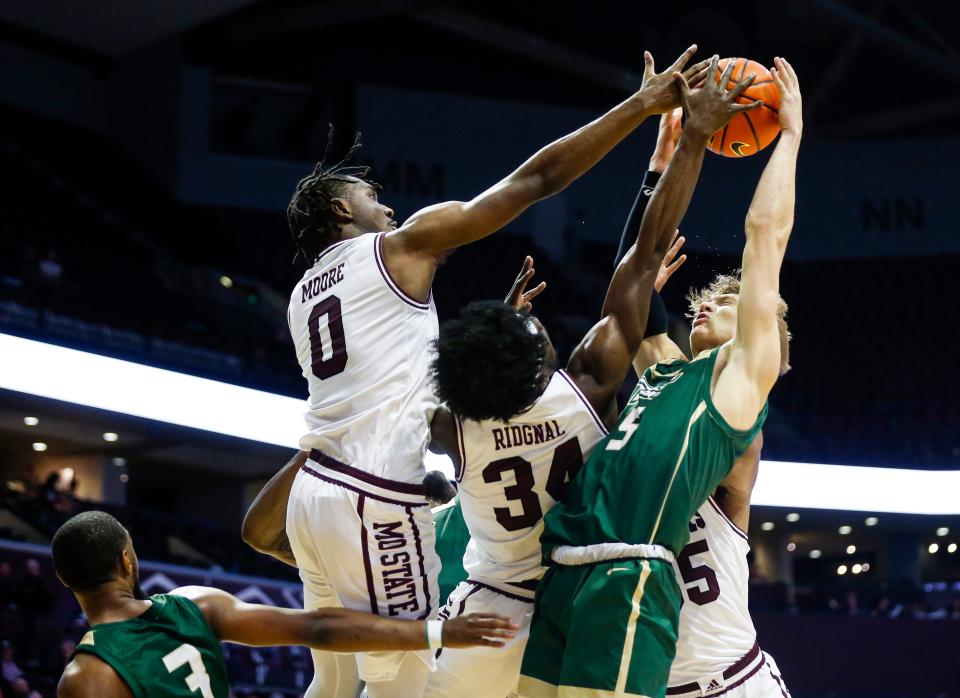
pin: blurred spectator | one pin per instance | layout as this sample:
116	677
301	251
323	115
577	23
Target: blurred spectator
33	596
7	586
12	674
51	271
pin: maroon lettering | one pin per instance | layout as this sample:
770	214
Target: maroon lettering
548	432
538	434
394	609
560	431
389	536
516	434
394	559
527	435
498	439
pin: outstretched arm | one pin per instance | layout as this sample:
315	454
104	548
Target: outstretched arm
336	629
754	360
412	251
265	524
599	364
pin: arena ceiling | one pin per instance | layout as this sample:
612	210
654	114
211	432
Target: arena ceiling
870	68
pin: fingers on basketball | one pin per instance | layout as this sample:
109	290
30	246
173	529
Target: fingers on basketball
757	123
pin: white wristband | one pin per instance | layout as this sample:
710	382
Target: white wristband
434	634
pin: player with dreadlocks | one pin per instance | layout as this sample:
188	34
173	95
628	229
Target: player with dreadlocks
363	321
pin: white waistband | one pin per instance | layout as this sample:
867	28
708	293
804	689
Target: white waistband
599	552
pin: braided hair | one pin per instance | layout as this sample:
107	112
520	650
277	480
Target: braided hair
309	213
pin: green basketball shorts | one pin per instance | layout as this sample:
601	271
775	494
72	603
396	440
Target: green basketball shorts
604	629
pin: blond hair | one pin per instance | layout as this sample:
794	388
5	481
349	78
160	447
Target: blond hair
724	284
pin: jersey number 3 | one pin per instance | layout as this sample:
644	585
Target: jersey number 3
327	358
567	461
197	679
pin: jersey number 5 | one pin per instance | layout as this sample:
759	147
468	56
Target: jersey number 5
693	575
197	679
332	361
567	461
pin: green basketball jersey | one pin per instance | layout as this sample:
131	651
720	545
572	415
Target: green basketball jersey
168	651
644	482
451	543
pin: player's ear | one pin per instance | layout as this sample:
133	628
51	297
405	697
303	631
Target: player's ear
340	209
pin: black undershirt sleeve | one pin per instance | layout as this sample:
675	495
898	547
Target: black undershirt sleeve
657	319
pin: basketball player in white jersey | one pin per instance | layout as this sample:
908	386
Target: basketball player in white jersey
515	449
362	321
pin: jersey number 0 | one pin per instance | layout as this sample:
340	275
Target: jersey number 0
326	364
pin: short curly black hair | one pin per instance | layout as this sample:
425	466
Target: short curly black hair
87	550
489	362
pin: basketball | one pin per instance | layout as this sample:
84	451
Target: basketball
750	132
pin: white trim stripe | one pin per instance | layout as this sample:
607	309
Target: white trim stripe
701	408
627	653
571	555
583	399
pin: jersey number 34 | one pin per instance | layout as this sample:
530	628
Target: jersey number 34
566	463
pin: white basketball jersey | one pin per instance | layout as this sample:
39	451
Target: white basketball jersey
364	348
715	625
512	473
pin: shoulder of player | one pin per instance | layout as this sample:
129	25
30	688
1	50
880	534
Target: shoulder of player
210	601
88	676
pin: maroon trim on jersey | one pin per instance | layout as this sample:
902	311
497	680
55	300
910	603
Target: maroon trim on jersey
392	485
728	673
367	569
515	597
583	398
778	679
739	531
461	448
346	485
330	248
423	569
394	286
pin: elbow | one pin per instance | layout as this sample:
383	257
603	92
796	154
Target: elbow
768	227
251	535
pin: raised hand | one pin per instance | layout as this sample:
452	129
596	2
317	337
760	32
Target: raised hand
518	297
710	107
671	124
660	90
670	262
791	102
478	629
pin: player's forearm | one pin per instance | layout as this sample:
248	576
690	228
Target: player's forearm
672	196
771	211
343	630
560	163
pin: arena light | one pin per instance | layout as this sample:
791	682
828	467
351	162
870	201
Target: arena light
814	554
152	393
942	531
871	521
793	517
31	421
851	549
98	381
857	488
39	446
767	526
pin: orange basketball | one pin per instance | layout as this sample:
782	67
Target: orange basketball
750	132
